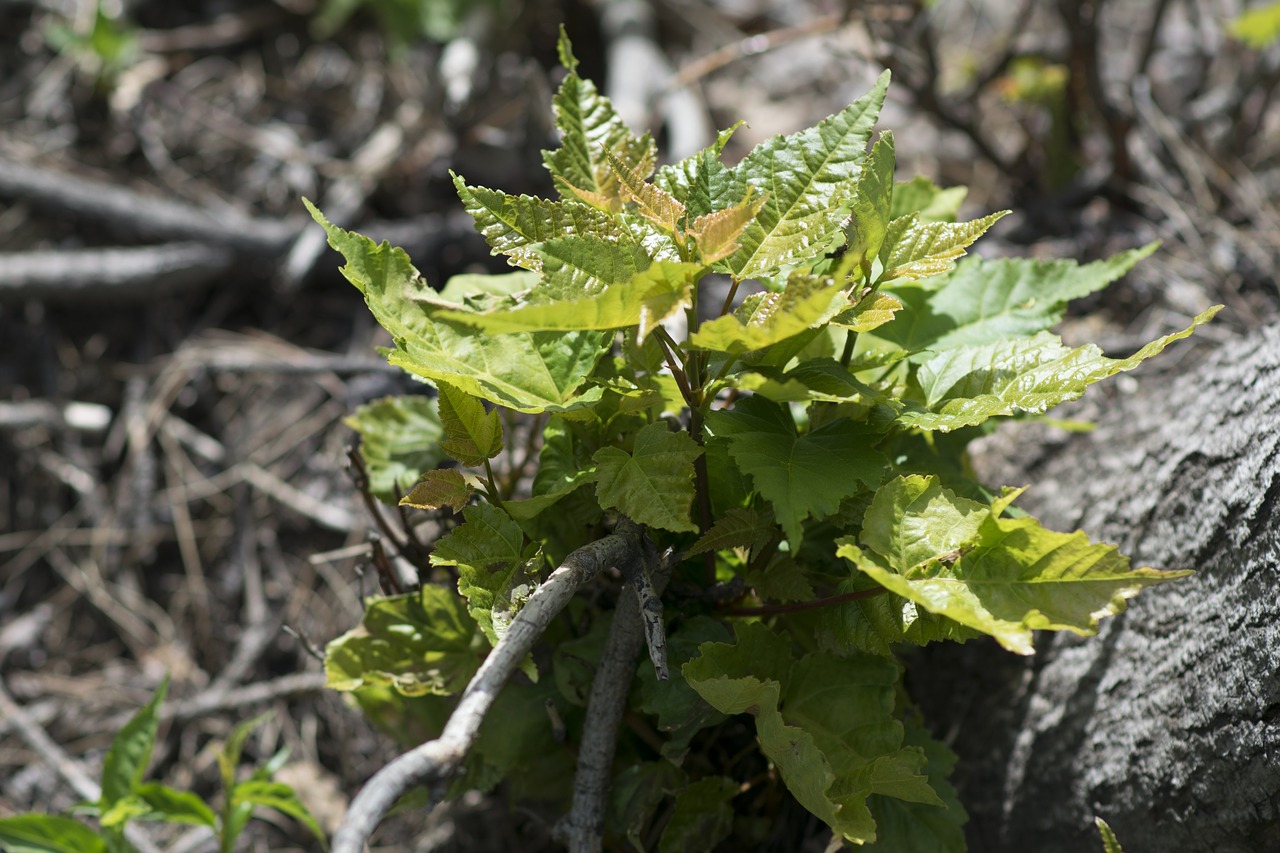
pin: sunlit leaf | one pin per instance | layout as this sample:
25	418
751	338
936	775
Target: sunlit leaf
804	175
970	384
399	439
530	372
766	318
652	202
717	233
516	226
872	311
45	833
872	197
921	195
916	249
279	796
130	751
1014	578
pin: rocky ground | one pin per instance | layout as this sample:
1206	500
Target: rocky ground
177	352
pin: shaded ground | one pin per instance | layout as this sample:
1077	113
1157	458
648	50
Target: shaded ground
177	352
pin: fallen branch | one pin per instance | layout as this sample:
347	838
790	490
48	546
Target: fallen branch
140	270
436	760
580	830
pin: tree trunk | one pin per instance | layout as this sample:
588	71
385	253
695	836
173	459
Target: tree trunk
1167	724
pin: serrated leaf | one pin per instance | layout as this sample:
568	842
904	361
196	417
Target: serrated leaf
45	833
717	233
987	301
581	266
906	827
644	301
130	751
529	372
417	643
737	528
967	385
653	484
916	249
471	435
764	319
826	723
589	126
653	203
804	175
921	195
872	311
1017	577
475	290
443	487
400	438
802	476
703	816
493	574
913	522
828	381
871	206
516	226
702	182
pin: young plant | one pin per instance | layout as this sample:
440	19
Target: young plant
768	372
126	797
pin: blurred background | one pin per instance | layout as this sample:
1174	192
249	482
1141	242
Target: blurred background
178	353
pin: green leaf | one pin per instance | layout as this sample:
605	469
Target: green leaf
766	318
716	233
804	175
679	710
278	796
130	751
989	301
702	182
906	827
581	266
417	643
737	528
872	311
516	226
127	808
782	580
921	195
1111	844
644	300
703	816
590	126
802	476
516	742
528	372
44	833
653	484
229	754
871	206
1258	28
478	289
653	203
967	385
913	522
471	435
174	806
1016	577
916	249
444	487
493	574
635	796
400	439
826	723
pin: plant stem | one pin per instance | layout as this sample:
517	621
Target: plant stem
796	607
728	299
495	497
682	380
850	337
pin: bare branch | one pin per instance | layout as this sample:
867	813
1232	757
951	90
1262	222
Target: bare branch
438	759
581	828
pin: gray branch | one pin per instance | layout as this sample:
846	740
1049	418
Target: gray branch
438	759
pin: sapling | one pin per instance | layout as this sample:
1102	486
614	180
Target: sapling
793	458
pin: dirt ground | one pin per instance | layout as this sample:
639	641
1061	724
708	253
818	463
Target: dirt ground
177	351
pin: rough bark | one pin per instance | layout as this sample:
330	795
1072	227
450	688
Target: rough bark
1167	724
